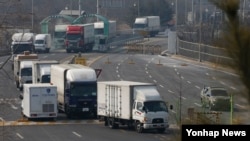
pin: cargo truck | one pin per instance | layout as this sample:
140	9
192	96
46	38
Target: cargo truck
80	38
22	42
76	89
135	104
59	35
22	68
39	101
42	43
147	26
102	39
41	70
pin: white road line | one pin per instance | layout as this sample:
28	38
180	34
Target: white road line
170	91
184	98
13	107
189	82
118	76
45	56
150	76
155	81
233	88
182	77
117	71
197	87
199	105
20	136
147	72
240	106
207	73
162	86
77	134
223	83
117	67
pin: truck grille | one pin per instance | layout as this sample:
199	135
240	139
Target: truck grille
157	120
48	108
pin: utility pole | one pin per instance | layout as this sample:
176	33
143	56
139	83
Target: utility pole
32	15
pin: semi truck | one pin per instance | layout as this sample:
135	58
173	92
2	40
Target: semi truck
101	37
76	89
41	70
80	38
59	35
42	43
22	42
39	101
137	105
22	68
147	26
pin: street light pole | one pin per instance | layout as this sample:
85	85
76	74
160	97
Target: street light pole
32	15
138	8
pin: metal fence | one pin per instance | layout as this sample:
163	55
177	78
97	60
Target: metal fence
202	52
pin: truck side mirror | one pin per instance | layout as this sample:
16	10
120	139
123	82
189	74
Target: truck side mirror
144	109
38	80
171	107
17	73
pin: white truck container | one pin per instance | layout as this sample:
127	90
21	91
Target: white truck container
41	70
39	101
135	104
59	35
76	88
147	26
22	42
22	68
42	43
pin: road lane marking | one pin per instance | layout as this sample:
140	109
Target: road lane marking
199	105
20	136
197	87
77	134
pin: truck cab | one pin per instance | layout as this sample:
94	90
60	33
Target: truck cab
25	73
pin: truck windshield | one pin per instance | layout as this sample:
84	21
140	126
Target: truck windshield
73	36
39	41
45	79
59	34
20	48
155	106
81	89
26	72
139	25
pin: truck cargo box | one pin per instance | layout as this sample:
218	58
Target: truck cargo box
39	101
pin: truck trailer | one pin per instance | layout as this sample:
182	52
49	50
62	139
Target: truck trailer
42	43
147	26
135	104
80	38
22	67
76	88
39	101
102	39
41	70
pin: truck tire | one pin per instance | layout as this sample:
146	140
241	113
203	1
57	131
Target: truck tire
138	127
112	124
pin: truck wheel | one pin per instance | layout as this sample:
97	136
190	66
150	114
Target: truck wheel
112	124
138	127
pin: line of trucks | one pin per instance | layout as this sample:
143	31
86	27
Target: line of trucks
73	89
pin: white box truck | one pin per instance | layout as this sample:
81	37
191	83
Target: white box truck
41	70
135	104
22	42
39	101
22	67
42	43
76	88
147	26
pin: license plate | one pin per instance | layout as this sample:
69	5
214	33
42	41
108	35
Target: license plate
85	109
